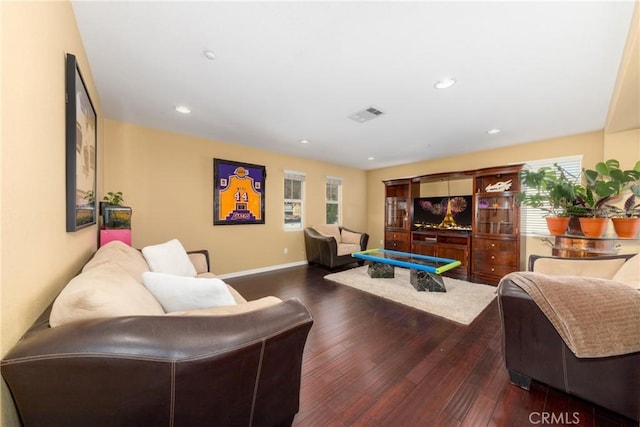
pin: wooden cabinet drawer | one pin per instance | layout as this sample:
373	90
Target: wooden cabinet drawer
397	240
397	245
396	235
496	257
494	244
492	270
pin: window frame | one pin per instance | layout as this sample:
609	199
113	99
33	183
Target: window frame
337	182
289	203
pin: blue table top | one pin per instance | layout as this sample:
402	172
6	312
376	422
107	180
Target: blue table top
413	261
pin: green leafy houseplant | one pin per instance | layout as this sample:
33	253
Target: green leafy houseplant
629	209
626	218
551	189
114	199
554	189
604	184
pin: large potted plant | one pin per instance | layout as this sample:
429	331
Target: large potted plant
604	184
551	189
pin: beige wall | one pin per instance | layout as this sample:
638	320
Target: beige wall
168	181
38	255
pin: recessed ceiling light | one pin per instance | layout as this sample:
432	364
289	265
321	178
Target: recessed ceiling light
371	158
304	141
209	54
445	83
493	131
182	109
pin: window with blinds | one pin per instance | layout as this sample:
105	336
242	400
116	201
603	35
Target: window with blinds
333	200
293	200
533	219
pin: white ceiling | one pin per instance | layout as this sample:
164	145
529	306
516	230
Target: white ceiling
286	71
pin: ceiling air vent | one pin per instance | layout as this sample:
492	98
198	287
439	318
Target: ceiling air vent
366	115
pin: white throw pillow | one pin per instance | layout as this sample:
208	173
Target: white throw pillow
169	258
629	273
176	293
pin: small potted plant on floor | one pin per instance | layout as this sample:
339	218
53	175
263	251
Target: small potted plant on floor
551	189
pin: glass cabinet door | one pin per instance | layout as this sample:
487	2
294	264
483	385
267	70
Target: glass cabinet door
495	214
396	213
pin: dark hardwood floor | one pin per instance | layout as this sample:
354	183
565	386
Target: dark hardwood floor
371	362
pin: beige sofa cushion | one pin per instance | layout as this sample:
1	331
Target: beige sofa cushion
257	304
347	248
352	243
105	290
199	261
330	230
602	269
122	255
351	237
629	273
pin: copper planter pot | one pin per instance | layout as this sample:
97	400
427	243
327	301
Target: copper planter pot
557	225
593	227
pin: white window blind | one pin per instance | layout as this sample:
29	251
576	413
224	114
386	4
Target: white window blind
333	200
533	219
293	199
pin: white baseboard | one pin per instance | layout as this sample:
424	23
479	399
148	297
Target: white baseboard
261	270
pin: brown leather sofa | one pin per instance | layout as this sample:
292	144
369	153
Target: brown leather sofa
533	350
326	250
149	370
157	370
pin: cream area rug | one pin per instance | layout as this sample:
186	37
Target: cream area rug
462	302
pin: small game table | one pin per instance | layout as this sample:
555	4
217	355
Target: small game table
424	270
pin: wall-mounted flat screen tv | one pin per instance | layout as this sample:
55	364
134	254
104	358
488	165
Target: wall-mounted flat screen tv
430	211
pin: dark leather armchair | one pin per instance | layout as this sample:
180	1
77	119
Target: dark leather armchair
533	349
324	250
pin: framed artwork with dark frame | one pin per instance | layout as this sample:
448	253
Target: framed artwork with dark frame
81	141
238	192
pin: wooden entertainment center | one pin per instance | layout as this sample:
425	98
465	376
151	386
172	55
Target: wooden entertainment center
488	248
